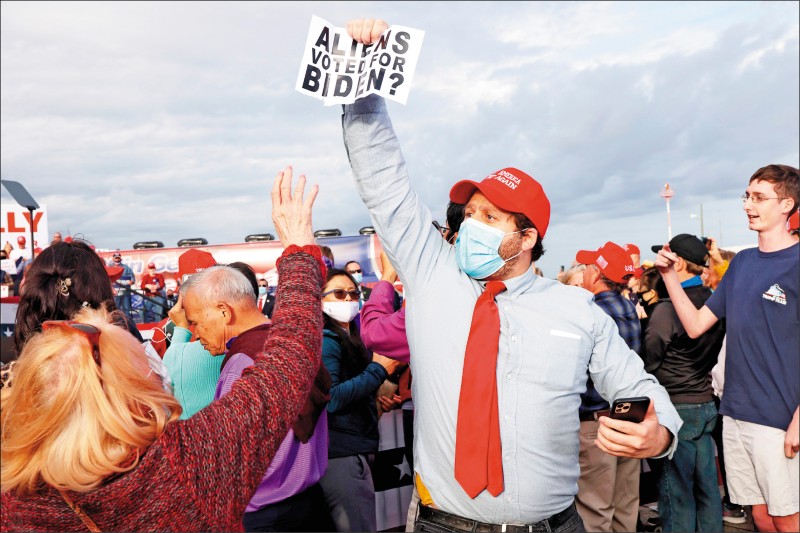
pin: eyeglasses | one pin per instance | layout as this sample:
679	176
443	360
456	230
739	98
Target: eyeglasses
341	294
441	229
756	198
91	333
354	271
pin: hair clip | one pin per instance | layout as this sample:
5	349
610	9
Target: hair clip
64	285
85	304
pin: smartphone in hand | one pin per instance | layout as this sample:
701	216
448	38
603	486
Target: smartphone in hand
630	409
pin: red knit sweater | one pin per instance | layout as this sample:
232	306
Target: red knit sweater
201	473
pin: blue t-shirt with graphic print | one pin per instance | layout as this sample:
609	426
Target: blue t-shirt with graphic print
758	297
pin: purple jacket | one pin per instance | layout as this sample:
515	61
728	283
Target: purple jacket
383	329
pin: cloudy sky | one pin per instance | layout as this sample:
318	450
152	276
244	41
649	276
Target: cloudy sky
162	121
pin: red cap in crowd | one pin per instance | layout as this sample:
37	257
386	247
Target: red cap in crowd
612	259
151	265
193	261
512	190
114	272
793	224
21	239
632	249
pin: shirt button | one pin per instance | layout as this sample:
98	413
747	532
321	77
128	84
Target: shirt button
509	499
508	458
507	419
509	377
513	338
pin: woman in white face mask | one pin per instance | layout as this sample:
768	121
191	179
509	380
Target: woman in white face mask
352	413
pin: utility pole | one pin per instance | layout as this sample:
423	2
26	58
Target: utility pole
702	229
666	194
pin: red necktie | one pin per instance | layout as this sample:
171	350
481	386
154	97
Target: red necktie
261	304
479	463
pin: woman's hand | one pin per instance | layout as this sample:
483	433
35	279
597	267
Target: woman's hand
291	215
389	364
387	403
366	31
387	270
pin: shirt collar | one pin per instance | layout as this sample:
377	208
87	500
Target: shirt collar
605	295
694	281
517	284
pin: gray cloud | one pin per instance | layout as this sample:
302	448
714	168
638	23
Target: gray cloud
137	121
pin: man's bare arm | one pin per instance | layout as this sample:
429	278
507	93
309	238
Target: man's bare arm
695	321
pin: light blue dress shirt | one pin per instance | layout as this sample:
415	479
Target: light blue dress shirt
551	335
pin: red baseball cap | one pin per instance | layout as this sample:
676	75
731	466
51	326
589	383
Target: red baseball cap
193	261
21	239
612	259
114	272
632	249
793	224
512	190
151	265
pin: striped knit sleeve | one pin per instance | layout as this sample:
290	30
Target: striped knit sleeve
223	451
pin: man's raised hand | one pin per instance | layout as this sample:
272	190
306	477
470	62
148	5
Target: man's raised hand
366	31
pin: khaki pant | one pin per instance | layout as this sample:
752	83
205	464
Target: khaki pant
608	489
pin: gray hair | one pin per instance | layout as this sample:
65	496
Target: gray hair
220	282
570	272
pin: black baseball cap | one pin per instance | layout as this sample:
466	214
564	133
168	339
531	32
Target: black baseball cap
687	247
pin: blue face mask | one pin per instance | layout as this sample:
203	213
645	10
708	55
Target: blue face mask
262	290
478	249
358	277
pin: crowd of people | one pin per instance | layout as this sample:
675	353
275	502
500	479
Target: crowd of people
260	413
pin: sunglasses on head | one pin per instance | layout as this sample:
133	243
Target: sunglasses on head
91	333
341	294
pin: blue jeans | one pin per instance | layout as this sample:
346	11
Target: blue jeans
440	522
123	301
688	492
154	308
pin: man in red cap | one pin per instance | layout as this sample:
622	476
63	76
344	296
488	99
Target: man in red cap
153	286
122	285
608	489
20	254
499	354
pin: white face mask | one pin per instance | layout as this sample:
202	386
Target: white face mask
340	311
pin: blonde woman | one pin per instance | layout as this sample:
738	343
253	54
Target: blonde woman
90	440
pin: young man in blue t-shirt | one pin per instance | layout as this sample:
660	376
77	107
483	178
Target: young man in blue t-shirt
759	299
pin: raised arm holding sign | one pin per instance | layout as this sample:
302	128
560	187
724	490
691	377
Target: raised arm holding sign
339	69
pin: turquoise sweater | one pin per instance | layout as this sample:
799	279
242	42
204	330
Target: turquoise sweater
194	372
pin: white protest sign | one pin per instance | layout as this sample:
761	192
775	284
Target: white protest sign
338	70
